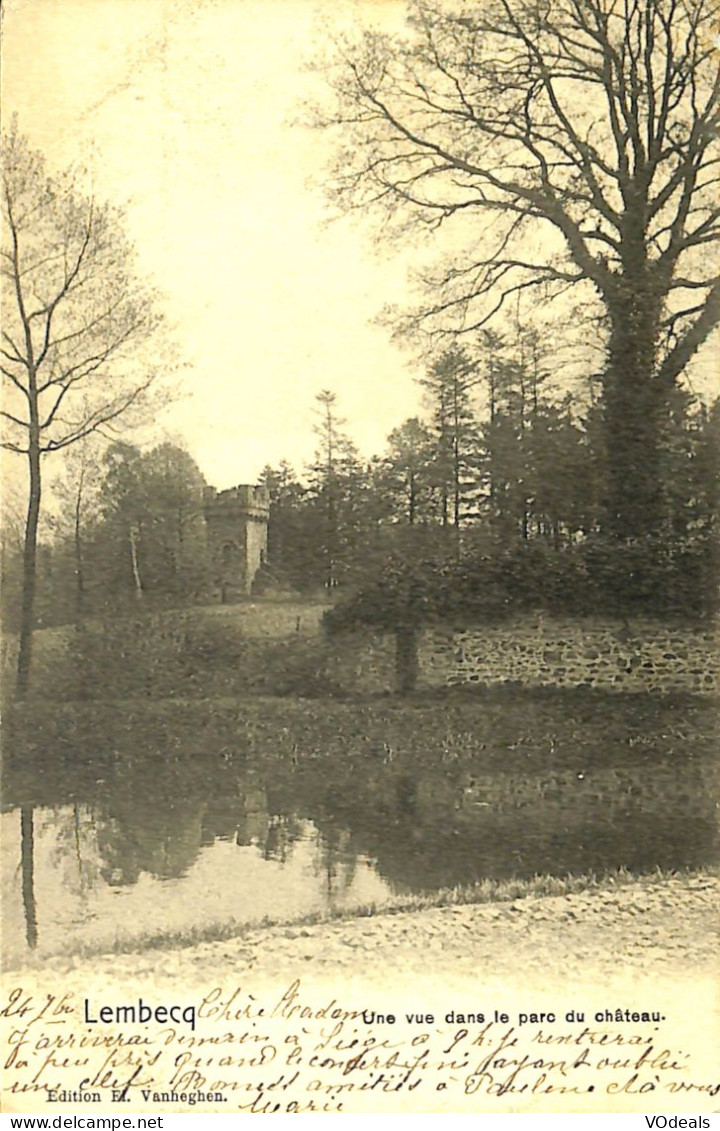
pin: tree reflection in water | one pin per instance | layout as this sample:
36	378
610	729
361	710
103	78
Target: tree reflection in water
417	828
27	857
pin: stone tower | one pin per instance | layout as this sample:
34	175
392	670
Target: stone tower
237	532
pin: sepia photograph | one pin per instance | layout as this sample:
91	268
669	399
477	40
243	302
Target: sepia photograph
360	418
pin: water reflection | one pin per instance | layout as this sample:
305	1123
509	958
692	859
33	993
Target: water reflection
27	863
115	849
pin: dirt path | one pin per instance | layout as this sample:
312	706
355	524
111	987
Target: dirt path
647	945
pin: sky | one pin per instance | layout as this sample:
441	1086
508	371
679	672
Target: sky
187	113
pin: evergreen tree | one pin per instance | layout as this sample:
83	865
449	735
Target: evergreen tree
337	494
402	479
449	384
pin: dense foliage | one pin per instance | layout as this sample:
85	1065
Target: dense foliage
645	577
516	523
127	532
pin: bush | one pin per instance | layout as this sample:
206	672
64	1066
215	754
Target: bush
643	577
117	658
186	656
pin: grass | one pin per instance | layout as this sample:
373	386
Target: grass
184	650
258	647
496	726
484	892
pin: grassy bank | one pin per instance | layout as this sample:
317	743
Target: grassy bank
270	647
497	726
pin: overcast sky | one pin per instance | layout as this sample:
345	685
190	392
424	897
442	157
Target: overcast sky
187	112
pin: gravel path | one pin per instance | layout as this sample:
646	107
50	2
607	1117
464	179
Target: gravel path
646	945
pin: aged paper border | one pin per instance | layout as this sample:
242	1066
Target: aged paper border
694	1018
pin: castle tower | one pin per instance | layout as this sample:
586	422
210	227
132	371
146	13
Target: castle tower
237	530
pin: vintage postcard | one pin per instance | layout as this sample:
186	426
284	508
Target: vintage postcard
359	552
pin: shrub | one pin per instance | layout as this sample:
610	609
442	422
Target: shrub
642	577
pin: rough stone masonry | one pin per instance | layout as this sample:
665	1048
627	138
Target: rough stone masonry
541	651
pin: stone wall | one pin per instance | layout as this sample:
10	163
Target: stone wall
642	656
543	652
577	793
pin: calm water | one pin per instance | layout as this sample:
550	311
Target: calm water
135	848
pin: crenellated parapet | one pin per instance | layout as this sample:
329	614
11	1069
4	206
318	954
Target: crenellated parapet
237	525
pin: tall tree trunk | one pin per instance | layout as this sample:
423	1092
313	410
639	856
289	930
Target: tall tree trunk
79	562
132	533
330	507
491	433
78	848
406	658
524	515
27	614
456	461
634	398
331	534
456	482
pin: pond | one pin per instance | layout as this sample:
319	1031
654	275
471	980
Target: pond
108	851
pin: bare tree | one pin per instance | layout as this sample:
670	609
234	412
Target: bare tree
76	495
564	144
74	316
